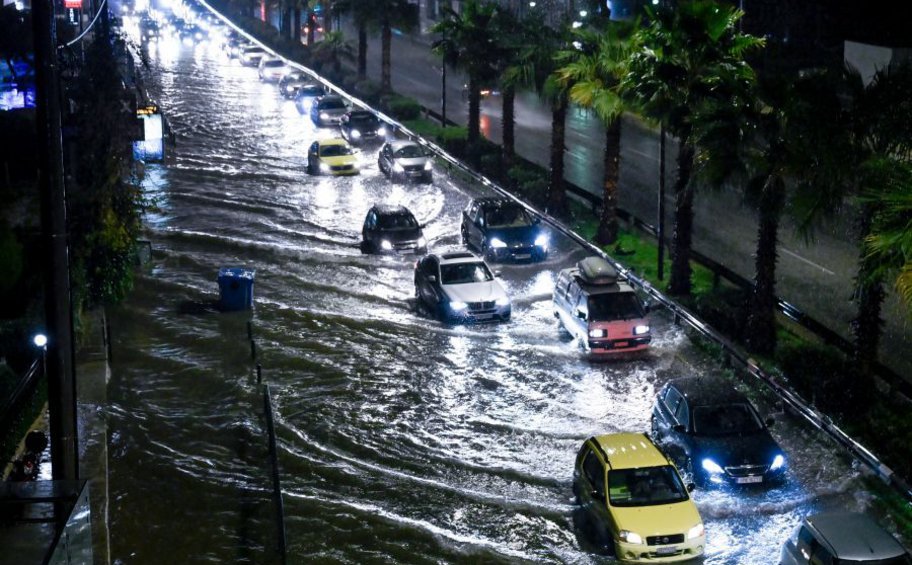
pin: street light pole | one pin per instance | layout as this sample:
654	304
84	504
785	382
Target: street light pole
61	379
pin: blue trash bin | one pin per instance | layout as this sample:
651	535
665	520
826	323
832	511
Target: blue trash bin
236	288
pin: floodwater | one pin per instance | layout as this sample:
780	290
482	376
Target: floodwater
400	439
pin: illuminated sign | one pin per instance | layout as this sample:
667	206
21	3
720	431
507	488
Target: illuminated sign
72	4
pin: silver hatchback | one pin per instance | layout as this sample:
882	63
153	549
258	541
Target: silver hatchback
842	537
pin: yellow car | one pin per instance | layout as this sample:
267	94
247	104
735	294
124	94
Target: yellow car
332	157
638	499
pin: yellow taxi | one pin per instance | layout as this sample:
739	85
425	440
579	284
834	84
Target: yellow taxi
638	499
332	157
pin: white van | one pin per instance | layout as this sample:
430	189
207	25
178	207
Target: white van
598	307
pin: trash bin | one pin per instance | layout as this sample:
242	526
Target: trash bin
236	288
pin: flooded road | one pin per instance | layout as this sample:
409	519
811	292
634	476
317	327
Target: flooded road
401	440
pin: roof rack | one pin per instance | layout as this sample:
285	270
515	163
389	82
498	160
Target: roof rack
458	255
598	271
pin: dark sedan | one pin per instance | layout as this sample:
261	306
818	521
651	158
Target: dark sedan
714	433
392	229
502	229
305	94
362	126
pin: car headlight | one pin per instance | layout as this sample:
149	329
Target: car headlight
778	462
427	165
355	133
503	301
496	243
596	333
712	467
696	531
422	242
381	130
458	306
398	168
324	168
541	241
385	244
640	330
198	35
630	537
324	116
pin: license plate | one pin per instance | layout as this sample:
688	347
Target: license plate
523	255
483	316
749	480
670	550
621	343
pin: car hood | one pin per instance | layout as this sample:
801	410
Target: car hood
750	449
659	520
400	235
339	160
475	292
524	234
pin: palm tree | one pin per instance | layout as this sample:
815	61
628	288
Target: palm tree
362	15
388	14
594	69
687	57
888	246
469	40
512	70
333	50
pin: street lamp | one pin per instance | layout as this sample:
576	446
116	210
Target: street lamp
40	340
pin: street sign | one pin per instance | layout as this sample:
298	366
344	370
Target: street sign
72	4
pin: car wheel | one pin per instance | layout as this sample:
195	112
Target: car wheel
367	247
487	253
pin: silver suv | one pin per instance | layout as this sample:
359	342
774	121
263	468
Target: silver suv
459	287
842	537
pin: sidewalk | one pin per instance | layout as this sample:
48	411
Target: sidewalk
816	277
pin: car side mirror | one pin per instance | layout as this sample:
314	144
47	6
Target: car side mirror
497	274
769	422
580	314
432	278
422	226
690	487
597	494
679	428
646	306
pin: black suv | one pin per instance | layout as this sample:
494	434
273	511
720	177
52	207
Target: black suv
362	126
714	434
392	229
502	229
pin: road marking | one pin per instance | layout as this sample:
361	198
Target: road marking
811	263
651	156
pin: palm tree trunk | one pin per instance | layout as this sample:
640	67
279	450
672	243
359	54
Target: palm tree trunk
679	284
557	197
508	122
474	112
608	222
867	327
296	33
761	317
386	39
362	50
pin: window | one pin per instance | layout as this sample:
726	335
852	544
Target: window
671	400
682	414
645	486
615	306
726	419
594	472
462	273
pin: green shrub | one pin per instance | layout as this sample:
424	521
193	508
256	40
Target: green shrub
400	107
819	373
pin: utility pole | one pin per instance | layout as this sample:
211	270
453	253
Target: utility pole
61	380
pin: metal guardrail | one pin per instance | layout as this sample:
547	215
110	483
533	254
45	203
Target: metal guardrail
786	395
23	390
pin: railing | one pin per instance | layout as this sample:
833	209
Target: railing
680	313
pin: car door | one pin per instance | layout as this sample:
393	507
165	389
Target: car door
368	232
427	281
385	161
478	228
591	485
313	155
345	126
664	413
579	311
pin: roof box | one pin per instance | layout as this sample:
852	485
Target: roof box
595	270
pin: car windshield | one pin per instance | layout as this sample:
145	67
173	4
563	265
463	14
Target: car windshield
614	306
335	150
276	63
311	90
294	75
363	119
332	104
646	486
397	222
409	152
508	217
462	273
725	419
252	50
